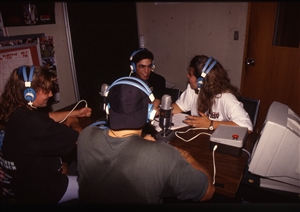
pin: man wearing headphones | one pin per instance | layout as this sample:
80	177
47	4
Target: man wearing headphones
117	165
142	66
210	97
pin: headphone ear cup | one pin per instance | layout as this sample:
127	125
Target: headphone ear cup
200	82
151	113
152	66
29	94
107	109
132	67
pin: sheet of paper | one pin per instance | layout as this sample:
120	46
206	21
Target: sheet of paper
176	120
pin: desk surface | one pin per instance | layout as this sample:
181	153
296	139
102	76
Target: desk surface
229	168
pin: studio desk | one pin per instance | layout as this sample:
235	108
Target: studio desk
229	168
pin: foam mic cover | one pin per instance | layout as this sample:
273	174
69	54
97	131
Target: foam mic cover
165	113
103	98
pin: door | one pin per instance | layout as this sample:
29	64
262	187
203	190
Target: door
104	34
270	73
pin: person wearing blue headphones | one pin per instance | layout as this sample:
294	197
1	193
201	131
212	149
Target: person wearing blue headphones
210	97
116	165
34	141
142	66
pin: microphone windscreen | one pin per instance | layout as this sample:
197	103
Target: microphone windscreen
166	102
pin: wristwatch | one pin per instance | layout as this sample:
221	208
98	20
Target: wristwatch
211	126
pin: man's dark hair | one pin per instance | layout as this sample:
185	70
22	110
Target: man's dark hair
142	54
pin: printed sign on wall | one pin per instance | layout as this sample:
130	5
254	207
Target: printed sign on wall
28	50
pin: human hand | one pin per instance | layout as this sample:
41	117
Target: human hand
157	111
65	168
149	137
84	112
197	121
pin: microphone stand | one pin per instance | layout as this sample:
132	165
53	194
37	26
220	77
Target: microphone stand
165	135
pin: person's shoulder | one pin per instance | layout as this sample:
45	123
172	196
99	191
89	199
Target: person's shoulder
24	113
165	148
228	99
90	133
156	75
228	96
91	130
190	90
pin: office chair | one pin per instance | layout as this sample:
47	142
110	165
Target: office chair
252	107
174	93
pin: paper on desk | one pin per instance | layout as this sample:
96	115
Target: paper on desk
176	120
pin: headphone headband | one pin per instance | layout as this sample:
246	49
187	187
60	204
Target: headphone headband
138	84
135	52
128	80
27	81
206	70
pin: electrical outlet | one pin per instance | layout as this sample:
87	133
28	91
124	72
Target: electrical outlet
236	35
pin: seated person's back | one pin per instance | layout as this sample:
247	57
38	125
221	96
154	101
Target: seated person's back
117	165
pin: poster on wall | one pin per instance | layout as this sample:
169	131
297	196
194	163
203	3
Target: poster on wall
27	13
17	51
47	49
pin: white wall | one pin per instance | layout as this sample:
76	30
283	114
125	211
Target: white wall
64	71
173	32
176	32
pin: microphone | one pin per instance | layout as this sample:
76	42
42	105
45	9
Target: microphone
103	97
165	113
165	120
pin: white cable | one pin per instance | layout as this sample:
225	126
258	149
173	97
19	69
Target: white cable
73	110
201	133
214	165
248	154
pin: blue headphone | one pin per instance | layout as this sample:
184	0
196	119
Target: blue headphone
132	66
139	84
100	124
206	70
29	93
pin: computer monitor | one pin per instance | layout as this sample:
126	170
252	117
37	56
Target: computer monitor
275	156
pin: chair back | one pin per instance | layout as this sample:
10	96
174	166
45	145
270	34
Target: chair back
252	107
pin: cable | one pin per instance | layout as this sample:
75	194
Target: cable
248	154
201	133
214	165
73	110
